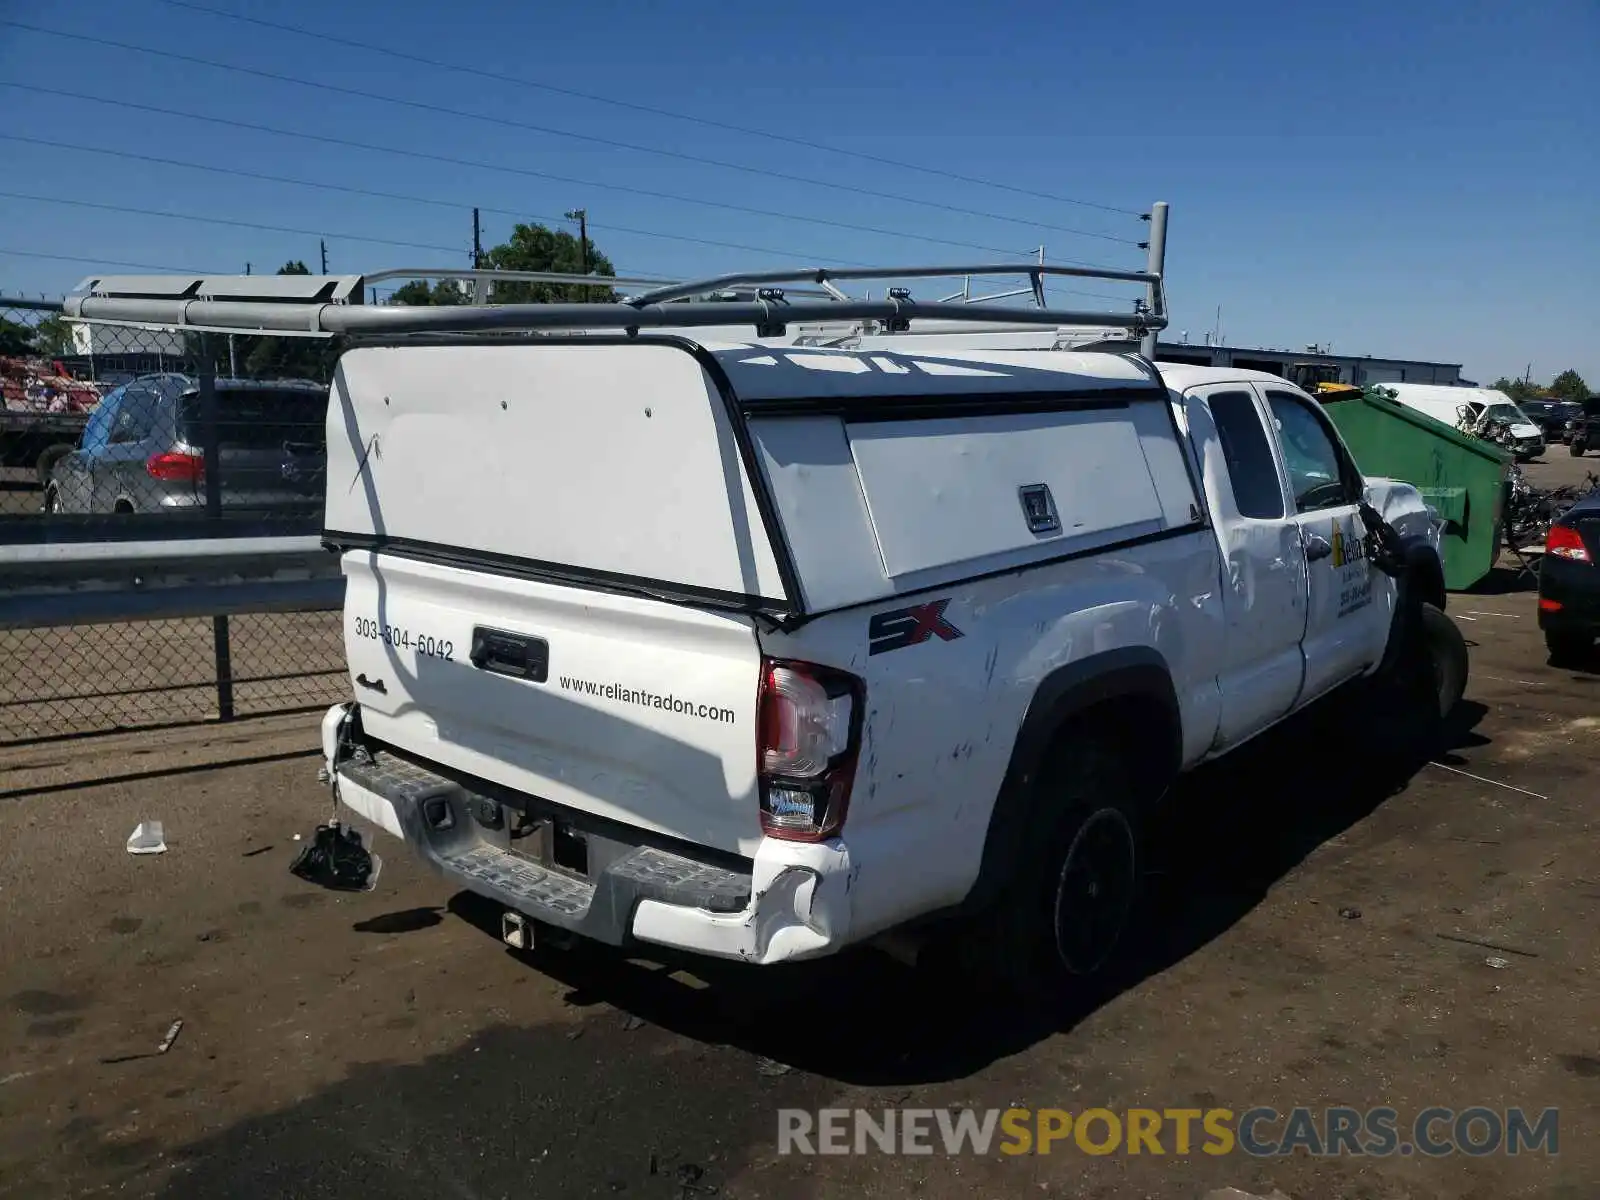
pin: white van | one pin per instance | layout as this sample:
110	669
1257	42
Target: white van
1457	406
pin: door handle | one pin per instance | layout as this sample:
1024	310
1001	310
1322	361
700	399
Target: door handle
1317	547
376	685
518	655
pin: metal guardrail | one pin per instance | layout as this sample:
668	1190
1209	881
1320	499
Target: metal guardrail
139	581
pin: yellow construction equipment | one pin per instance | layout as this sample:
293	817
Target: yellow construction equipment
1321	379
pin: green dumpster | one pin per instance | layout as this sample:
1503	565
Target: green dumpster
1462	477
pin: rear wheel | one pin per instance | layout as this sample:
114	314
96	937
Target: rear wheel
47	461
1576	448
1421	689
1061	920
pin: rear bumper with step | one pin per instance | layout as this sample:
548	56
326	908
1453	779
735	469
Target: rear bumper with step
789	902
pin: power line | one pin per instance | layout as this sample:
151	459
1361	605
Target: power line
522	81
104	262
428	156
554	132
384	195
350	237
400	196
173	216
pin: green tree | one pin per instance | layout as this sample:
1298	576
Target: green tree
535	248
1518	389
418	293
15	337
53	336
1569	385
287	357
530	248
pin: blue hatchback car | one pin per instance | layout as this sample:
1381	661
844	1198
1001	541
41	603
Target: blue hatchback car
142	450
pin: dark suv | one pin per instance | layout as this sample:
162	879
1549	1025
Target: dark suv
1586	428
143	450
1555	417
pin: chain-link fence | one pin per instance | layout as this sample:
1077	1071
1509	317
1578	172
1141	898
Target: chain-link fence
70	679
118	433
115	434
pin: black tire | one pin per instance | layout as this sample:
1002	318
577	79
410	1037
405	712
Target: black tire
52	499
1414	697
1576	448
1059	922
1567	647
1446	651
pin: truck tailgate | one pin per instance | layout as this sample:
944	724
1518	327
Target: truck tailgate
633	709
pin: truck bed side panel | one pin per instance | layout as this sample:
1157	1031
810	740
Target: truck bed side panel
943	715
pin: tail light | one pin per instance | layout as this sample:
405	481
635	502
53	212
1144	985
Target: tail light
176	468
1565	542
808	736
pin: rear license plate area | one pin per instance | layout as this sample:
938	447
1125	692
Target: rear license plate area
549	841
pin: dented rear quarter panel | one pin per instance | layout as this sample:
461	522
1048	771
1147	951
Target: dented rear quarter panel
943	713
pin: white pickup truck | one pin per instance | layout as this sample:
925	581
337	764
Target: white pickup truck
760	651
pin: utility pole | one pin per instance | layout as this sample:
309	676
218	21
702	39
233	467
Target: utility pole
477	243
581	216
324	246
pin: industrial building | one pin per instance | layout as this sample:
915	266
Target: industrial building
1359	370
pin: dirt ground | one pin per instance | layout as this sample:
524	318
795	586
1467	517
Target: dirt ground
387	1043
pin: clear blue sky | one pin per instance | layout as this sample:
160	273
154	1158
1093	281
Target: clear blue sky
1416	179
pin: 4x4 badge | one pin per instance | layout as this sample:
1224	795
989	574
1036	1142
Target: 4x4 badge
902	627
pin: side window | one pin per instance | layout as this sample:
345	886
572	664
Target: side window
135	416
1317	473
97	431
1251	469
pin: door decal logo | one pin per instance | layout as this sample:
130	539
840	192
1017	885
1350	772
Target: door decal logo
1348	548
1353	568
902	627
